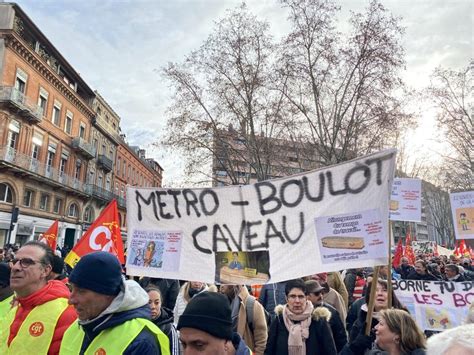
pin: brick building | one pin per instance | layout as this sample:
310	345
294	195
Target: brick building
58	139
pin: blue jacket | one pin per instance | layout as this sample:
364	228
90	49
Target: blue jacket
130	303
271	295
239	344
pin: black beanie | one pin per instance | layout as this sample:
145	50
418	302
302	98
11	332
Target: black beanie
99	272
57	265
209	312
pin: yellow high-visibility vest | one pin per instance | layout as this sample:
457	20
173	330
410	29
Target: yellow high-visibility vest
113	340
36	332
5	306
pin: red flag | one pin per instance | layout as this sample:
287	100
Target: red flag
409	250
103	235
50	237
456	249
462	248
398	254
436	252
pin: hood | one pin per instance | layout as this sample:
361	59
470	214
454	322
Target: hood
130	303
318	312
166	316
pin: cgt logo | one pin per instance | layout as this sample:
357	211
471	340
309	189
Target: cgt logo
36	329
100	351
108	236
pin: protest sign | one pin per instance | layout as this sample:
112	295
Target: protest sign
462	208
424	247
436	305
324	220
405	200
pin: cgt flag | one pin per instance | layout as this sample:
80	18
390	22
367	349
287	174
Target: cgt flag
103	235
398	254
50	237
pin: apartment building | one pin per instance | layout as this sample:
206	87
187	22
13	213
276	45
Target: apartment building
60	141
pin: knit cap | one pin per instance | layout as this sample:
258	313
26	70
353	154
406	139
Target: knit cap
99	272
209	312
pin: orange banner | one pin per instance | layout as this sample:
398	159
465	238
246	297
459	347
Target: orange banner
103	235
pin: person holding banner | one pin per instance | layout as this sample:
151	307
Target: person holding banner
114	315
298	327
397	333
359	343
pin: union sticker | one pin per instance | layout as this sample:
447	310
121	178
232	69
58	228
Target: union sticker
36	329
100	351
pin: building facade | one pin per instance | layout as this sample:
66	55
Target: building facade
59	140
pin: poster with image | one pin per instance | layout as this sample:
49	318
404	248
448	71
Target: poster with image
351	236
158	250
462	208
242	268
405	200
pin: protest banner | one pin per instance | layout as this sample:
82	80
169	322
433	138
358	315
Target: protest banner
324	220
405	200
462	208
436	305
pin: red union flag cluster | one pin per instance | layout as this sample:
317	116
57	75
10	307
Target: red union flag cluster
103	235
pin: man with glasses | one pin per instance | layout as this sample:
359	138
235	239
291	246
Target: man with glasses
316	296
38	321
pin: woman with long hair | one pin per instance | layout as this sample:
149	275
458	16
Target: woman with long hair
398	334
359	343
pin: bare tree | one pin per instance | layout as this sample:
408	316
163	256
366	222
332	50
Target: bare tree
452	93
343	88
224	112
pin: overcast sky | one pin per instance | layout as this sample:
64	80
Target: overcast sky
119	47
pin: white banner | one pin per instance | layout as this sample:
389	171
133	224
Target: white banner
436	305
324	220
462	207
405	201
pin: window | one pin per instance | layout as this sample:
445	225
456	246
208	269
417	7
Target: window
82	130
37	142
27	198
73	210
20	80
99	179
68	125
88	214
62	164
13	133
118	166
104	149
56	117
44	200
6	194
57	205
107	183
51	156
43	100
77	173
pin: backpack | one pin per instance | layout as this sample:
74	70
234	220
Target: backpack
249	306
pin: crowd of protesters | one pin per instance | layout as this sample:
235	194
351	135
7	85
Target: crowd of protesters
94	309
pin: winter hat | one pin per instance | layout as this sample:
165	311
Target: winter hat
209	312
4	274
99	272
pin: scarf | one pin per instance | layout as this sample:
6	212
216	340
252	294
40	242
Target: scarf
298	332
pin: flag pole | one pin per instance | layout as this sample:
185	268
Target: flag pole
389	276
370	306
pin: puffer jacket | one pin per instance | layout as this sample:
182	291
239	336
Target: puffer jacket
320	340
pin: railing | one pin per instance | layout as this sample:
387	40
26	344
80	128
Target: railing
27	107
33	165
105	162
97	191
102	123
83	146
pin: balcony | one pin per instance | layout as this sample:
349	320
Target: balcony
30	166
121	201
101	123
105	163
20	104
99	192
83	147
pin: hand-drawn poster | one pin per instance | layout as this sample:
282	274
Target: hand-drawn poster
275	217
436	305
351	236
462	208
405	200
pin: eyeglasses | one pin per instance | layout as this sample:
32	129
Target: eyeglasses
294	297
25	262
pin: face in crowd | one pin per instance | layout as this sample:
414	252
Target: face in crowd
384	335
381	297
315	297
420	268
197	342
404	261
196	285
29	270
229	290
154	303
296	300
88	304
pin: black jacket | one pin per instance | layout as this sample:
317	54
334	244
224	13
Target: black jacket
337	327
165	323
404	270
320	340
413	275
359	343
353	313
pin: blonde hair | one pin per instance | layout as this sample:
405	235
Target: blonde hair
402	323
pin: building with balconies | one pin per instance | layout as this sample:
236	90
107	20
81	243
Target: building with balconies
45	127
